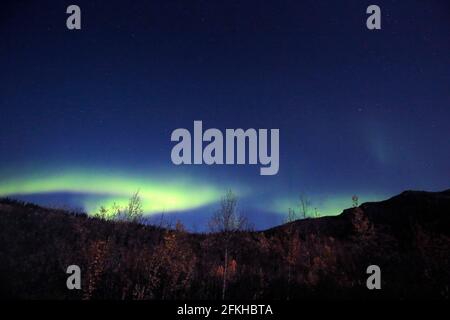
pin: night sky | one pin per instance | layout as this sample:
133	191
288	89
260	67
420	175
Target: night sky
86	115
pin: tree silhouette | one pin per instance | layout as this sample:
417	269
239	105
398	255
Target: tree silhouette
227	221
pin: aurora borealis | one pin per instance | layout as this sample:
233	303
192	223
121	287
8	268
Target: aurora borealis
157	196
86	115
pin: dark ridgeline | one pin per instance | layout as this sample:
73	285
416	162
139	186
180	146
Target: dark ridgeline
407	236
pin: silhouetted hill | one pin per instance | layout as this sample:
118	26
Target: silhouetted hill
431	209
406	235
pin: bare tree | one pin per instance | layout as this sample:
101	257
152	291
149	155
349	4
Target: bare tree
291	216
304	205
293	240
227	221
102	213
355	201
316	213
134	211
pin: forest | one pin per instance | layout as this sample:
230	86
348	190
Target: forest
407	236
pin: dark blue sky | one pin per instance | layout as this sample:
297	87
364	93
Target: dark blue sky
359	112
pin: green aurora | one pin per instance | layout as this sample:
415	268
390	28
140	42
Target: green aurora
157	195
